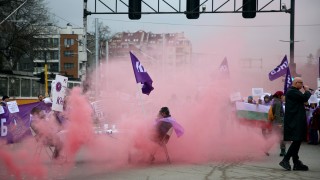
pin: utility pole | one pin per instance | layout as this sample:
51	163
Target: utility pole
292	64
45	74
97	54
85	13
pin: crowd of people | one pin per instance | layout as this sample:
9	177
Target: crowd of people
294	119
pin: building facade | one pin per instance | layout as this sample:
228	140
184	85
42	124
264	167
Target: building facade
62	51
170	48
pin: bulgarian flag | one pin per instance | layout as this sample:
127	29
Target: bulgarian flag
252	111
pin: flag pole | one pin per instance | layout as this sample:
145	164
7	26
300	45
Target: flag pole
141	104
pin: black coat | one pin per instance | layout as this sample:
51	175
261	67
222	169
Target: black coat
295	118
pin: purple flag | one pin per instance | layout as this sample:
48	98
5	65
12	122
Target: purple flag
288	81
141	75
224	68
280	70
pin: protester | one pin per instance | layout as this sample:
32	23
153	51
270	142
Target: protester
267	100
313	127
277	123
44	132
40	97
4	101
162	127
250	100
295	123
164	122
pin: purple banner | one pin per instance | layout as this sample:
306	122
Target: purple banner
280	70
16	126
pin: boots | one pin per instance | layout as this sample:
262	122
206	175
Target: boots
283	152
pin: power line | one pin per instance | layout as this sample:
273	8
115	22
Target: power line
65	20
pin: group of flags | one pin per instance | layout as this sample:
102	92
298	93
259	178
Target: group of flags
143	77
280	70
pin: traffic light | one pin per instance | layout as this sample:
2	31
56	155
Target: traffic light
249	8
193	7
134	9
42	78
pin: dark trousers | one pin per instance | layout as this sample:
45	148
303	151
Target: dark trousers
293	152
313	136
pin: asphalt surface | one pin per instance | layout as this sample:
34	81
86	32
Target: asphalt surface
266	168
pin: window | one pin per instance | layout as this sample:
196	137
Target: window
35	88
3	85
55	54
26	66
55	42
68	53
68	65
25	87
68	42
14	87
54	67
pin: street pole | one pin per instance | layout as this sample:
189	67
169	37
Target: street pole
97	54
85	37
45	74
292	64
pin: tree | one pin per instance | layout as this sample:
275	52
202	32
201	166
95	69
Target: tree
103	30
18	34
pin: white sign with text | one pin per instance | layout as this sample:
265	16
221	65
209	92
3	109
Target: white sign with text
13	106
59	92
257	92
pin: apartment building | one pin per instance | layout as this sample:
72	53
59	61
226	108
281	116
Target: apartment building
62	51
172	48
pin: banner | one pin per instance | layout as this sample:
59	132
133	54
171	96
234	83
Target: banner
280	70
252	111
59	92
16	126
141	75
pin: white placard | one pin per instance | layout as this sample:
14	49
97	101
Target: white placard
98	109
235	97
13	106
59	92
313	99
1	110
257	92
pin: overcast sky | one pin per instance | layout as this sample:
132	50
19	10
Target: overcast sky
221	34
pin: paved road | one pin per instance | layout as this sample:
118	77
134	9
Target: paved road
266	168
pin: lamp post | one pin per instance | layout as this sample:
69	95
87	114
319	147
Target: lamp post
292	64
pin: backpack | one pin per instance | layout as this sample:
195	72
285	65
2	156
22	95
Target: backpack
270	114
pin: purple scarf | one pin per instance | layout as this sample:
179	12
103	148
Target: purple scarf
178	129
